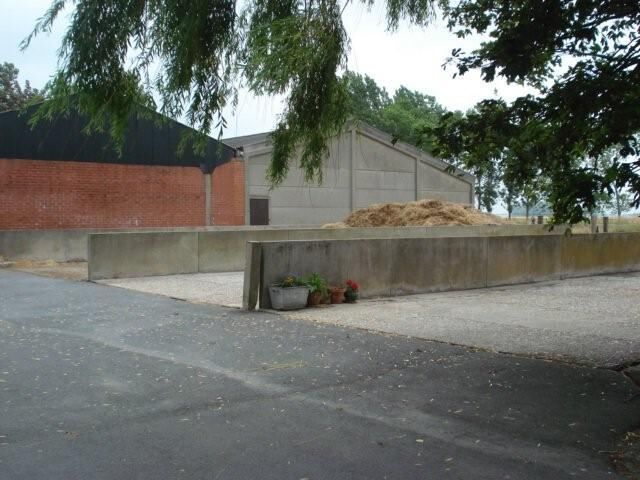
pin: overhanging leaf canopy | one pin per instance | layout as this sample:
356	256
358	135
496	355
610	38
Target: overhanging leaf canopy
581	56
203	51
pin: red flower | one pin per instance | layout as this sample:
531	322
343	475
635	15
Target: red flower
353	285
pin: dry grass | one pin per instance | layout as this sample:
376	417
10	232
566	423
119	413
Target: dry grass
419	213
32	263
624	224
49	268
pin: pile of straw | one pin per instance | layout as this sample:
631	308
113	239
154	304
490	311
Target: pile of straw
419	213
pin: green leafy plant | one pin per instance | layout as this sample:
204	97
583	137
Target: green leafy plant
317	283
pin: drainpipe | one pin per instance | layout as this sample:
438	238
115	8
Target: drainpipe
352	159
207	199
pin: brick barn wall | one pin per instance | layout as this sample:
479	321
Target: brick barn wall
227	190
44	194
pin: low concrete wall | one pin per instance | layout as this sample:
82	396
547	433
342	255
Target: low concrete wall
523	259
159	253
223	250
601	253
68	245
390	267
58	245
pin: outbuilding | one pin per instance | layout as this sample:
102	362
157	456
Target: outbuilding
54	176
364	166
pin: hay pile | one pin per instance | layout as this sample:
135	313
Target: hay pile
419	213
32	263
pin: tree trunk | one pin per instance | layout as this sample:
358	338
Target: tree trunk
526	211
479	191
618	206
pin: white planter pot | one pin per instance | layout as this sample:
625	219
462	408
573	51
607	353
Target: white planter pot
289	298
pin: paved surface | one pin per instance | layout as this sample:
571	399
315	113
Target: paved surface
592	320
215	288
104	383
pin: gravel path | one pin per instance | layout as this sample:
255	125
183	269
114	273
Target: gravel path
215	288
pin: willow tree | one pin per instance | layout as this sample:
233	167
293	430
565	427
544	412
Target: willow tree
203	51
580	57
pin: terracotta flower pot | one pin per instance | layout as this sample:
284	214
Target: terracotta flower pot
337	295
314	299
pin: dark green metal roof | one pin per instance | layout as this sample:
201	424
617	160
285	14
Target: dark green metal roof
150	140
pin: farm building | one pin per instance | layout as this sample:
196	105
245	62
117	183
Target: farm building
53	176
364	167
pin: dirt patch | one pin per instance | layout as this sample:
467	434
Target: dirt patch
49	268
19	264
420	213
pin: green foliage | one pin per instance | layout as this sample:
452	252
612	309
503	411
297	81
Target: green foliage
613	199
12	95
316	283
408	116
297	48
110	46
583	58
475	141
202	51
366	99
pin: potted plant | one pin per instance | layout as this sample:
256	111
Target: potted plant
317	289
289	294
337	294
351	292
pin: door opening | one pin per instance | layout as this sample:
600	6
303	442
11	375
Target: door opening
259	211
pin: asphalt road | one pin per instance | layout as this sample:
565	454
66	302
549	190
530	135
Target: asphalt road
103	383
593	320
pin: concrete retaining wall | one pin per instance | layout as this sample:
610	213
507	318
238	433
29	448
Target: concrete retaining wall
159	253
390	267
121	255
58	245
68	245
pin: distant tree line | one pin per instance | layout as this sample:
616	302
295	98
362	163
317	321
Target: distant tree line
480	141
13	96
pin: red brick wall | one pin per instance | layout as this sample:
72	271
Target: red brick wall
227	190
43	194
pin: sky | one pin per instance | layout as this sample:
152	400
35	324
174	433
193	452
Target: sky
411	56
